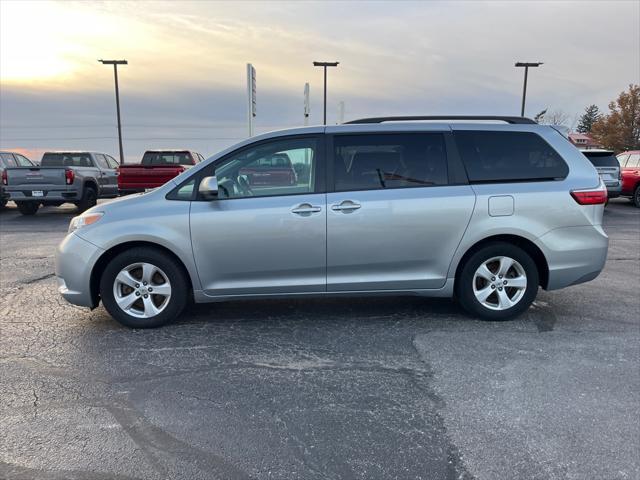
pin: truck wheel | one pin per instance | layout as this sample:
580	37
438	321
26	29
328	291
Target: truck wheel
28	208
144	288
498	282
89	199
636	196
3	203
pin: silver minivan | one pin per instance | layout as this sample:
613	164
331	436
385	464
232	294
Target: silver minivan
483	209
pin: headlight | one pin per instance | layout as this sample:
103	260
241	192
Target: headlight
84	220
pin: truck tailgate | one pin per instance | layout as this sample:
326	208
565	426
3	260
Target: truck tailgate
29	177
146	176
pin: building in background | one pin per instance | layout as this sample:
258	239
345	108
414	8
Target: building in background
583	140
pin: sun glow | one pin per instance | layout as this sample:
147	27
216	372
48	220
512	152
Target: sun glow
55	41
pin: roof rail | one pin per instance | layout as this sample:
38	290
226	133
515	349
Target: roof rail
512	120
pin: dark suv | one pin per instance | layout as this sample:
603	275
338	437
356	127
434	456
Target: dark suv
608	168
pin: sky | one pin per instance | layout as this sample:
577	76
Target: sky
185	84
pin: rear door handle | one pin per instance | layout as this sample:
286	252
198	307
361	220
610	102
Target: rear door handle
306	209
346	205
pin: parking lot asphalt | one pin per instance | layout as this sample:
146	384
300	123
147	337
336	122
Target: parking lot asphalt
367	388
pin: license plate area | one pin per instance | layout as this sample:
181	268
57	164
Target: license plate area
37	193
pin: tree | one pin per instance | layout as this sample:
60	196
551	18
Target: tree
620	129
589	117
540	116
555	117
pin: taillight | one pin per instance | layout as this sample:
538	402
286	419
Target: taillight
590	197
5	179
69	176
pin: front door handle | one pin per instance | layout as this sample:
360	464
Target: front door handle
346	205
306	209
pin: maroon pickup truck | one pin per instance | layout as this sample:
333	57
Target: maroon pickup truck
276	170
157	168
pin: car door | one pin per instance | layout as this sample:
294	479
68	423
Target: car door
631	173
397	213
107	176
263	239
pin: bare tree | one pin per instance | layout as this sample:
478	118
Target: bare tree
556	117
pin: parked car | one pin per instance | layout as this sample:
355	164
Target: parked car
608	168
63	177
272	171
10	159
483	211
630	166
156	168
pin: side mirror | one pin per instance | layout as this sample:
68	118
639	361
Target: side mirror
208	188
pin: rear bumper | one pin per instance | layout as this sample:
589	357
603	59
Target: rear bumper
574	254
74	262
614	191
49	194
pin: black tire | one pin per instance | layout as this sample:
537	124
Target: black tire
636	196
3	203
89	199
28	208
172	269
465	281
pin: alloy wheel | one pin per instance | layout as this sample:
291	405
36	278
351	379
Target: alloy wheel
142	290
499	283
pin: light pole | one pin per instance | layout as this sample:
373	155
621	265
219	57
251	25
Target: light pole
325	65
115	64
526	66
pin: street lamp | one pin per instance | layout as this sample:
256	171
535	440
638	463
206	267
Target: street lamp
325	65
115	64
526	66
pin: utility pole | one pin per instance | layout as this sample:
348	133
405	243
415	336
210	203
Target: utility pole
526	66
307	106
115	64
324	65
251	96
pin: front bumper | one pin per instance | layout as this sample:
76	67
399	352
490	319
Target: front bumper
574	254
75	259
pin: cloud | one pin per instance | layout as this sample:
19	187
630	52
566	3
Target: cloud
187	64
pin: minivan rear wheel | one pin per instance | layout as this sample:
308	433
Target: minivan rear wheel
144	288
498	282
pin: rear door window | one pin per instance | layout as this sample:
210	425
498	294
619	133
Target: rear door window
496	157
403	160
102	161
634	160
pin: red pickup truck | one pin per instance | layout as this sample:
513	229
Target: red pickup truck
157	168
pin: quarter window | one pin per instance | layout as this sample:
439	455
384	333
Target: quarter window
281	167
369	162
508	157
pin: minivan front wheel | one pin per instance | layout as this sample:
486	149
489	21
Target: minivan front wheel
144	288
498	282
